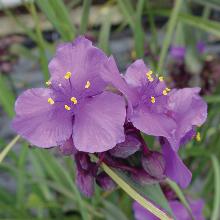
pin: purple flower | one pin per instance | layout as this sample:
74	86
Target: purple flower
179	211
147	97
201	47
76	105
157	111
177	52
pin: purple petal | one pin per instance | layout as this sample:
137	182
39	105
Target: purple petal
126	148
105	182
154	164
136	73
141	213
197	208
179	211
175	169
112	75
83	60
99	123
39	122
153	123
188	109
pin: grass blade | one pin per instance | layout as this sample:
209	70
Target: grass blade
8	148
85	16
136	196
7	98
216	205
168	37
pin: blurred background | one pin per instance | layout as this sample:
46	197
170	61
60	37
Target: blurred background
178	39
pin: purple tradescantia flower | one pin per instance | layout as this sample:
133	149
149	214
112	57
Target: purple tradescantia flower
177	52
75	105
156	111
147	98
179	211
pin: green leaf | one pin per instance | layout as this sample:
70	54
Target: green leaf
112	212
105	31
151	192
8	148
7	97
85	16
169	34
209	26
216	205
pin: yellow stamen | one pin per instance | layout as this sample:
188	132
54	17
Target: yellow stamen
74	100
67	75
161	78
48	83
168	89
149	73
164	92
50	101
198	137
67	107
87	84
150	78
153	100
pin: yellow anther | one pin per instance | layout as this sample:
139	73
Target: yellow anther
168	89
48	83
149	73
198	136
59	84
74	100
150	78
161	78
67	107
164	92
50	101
87	84
67	75
153	100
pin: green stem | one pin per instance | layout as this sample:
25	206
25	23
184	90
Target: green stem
168	37
8	148
134	195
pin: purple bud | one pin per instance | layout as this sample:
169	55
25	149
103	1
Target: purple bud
143	178
105	182
126	148
154	164
178	52
85	172
85	182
